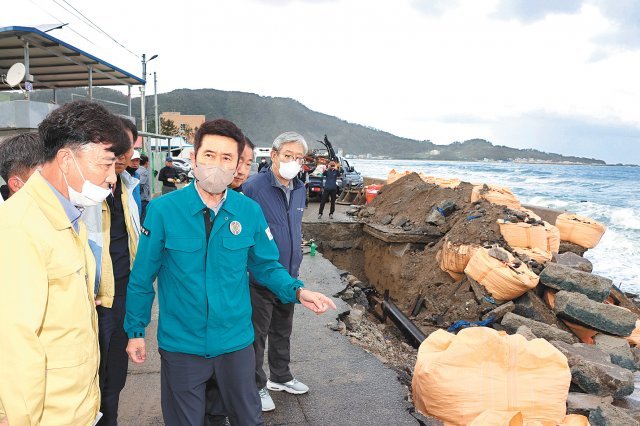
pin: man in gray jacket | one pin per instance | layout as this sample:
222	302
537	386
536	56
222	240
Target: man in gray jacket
145	189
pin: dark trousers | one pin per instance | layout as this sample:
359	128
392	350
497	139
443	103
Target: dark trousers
113	358
273	319
325	196
183	379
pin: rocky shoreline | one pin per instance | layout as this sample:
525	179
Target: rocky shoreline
395	245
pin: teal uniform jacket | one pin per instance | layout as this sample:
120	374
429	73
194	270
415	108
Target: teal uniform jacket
205	304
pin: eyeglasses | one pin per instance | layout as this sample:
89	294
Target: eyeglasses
288	158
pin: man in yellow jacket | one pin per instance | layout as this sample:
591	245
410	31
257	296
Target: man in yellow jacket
48	323
113	229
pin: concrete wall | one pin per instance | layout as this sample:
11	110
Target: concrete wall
22	116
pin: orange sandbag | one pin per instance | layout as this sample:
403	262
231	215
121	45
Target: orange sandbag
496	195
458	377
524	235
394	176
498	418
583	333
441	182
553	237
575	420
455	257
634	338
502	280
540	256
580	230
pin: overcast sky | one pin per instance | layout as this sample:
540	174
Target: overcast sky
556	75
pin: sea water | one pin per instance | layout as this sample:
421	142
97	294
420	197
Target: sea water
608	194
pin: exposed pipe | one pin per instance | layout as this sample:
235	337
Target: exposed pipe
408	328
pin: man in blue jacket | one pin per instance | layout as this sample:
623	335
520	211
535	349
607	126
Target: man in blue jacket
282	198
199	242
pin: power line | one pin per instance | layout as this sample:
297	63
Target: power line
60	21
100	29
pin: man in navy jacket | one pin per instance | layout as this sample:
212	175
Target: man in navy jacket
282	198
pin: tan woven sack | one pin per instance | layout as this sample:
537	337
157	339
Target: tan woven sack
495	194
501	279
455	257
458	377
580	230
524	235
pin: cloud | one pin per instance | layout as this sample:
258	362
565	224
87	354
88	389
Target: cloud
625	14
530	11
613	142
434	7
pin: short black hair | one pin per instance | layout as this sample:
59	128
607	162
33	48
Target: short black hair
220	127
128	124
19	154
248	142
143	159
79	123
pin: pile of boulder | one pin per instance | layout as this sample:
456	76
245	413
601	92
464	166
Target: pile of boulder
582	314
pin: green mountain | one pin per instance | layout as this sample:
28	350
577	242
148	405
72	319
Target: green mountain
262	118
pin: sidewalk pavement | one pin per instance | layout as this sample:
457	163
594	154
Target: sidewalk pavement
348	386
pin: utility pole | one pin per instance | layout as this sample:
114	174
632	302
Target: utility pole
155	99
143	106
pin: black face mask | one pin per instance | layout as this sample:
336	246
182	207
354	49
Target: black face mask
131	171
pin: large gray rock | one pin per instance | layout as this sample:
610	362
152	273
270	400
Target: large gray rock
500	311
525	331
584	403
594	373
573	261
561	277
579	308
618	349
566	246
636	356
608	415
531	306
511	322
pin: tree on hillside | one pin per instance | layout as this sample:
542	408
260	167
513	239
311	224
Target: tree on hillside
168	127
188	132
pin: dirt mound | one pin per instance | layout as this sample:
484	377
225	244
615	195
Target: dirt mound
414	205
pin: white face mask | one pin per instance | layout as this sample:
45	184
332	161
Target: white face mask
213	179
289	170
91	194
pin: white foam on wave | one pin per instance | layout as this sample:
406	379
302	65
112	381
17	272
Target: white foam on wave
625	218
617	258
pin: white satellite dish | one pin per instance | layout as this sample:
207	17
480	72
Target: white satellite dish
15	74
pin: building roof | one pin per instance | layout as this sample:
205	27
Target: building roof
55	64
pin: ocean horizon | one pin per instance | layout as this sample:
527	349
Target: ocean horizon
608	194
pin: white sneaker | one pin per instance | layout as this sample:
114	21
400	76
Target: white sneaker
292	386
265	399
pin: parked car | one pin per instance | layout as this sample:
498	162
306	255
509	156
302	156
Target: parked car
183	167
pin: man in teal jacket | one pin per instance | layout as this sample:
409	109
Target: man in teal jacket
199	243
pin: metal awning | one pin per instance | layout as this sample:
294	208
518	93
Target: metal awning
55	64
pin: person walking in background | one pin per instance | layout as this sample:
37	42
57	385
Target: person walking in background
168	176
282	198
263	164
199	242
20	156
114	230
145	187
244	166
48	323
330	189
134	162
